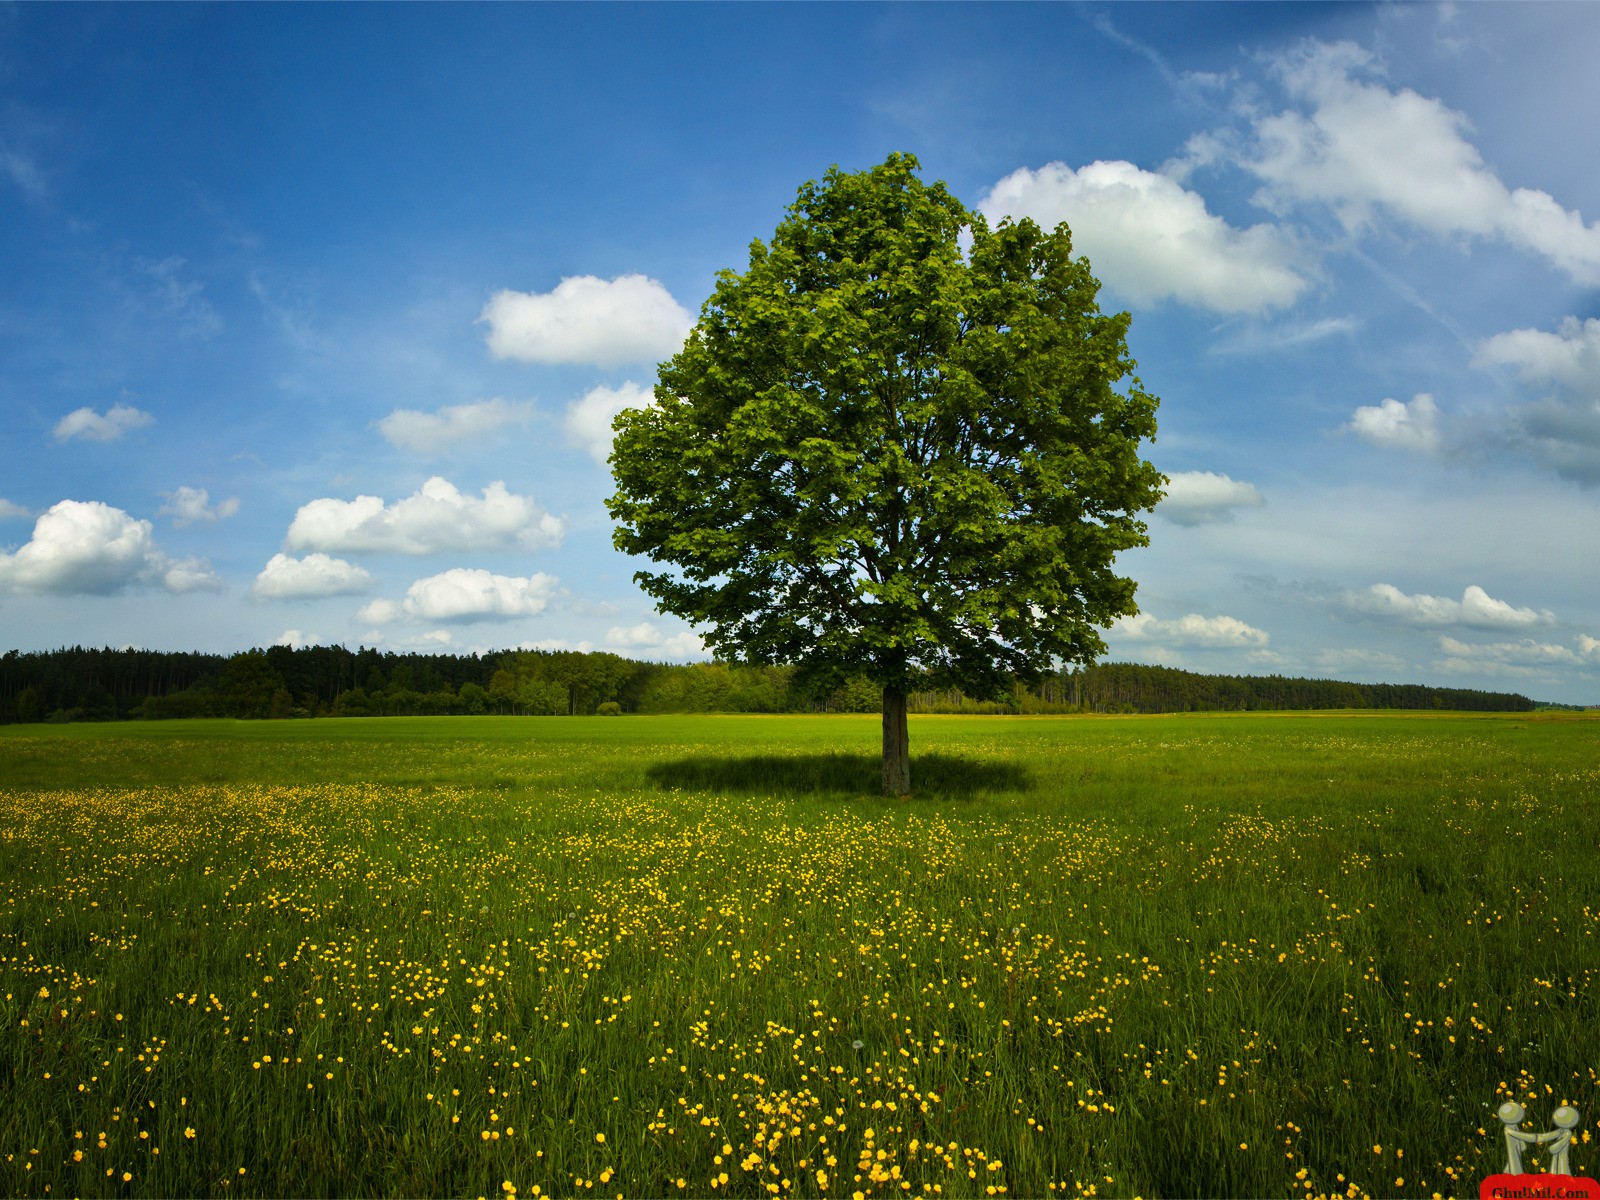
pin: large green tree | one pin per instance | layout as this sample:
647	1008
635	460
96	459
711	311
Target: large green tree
880	453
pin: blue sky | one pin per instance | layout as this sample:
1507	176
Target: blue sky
312	319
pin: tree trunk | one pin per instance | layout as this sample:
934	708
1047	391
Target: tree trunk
896	744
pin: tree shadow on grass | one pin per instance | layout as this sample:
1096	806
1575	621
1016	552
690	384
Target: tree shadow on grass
838	774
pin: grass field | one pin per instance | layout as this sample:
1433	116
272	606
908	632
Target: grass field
1277	955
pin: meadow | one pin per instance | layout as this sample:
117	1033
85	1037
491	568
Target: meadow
1221	955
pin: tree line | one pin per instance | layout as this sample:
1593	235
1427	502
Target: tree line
79	684
1136	688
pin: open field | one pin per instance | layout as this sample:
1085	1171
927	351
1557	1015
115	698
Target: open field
1280	955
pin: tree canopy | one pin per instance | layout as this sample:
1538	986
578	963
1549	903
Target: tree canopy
884	450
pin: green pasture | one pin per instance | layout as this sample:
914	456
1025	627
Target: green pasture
1253	955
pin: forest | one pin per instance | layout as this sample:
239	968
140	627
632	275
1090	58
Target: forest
79	684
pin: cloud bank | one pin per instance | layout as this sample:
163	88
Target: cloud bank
1476	609
1526	657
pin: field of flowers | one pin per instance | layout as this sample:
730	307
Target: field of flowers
1285	955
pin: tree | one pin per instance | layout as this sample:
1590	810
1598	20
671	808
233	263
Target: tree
249	687
880	454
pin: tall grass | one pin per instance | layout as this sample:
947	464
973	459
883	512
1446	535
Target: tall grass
1243	955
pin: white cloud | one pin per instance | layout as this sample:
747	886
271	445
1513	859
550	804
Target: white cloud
8	510
1150	239
1476	608
1560	429
1361	149
1525	657
1570	358
1272	339
585	319
1348	659
463	594
437	519
22	171
648	639
188	505
89	548
642	634
285	578
190	575
582	647
92	426
294	639
379	612
588	420
168	291
430	432
1193	630
1203	497
1413	426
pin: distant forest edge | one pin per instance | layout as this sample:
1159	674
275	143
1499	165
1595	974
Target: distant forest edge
331	681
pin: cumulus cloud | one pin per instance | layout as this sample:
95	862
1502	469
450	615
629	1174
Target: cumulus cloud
647	638
462	595
1193	630
9	510
437	519
88	548
285	578
189	575
1524	657
431	432
294	639
1476	609
1203	497
188	505
588	420
1569	358
1413	426
1561	428
1150	239
379	612
1358	148
94	427
585	319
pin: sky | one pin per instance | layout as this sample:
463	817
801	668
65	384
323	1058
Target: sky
313	319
